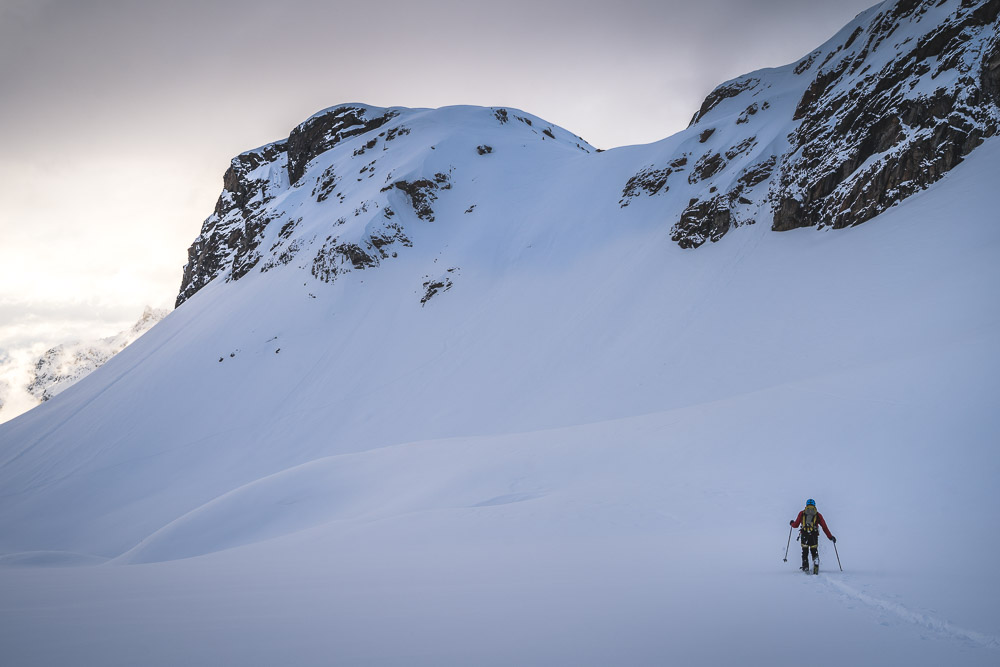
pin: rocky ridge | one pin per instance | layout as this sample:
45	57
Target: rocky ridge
882	110
355	167
889	105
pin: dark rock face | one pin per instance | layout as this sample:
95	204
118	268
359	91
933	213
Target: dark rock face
436	285
756	174
816	89
706	167
240	188
324	131
326	185
252	180
432	287
865	142
650	181
422	193
990	77
231	242
702	221
723	92
334	258
337	257
884	112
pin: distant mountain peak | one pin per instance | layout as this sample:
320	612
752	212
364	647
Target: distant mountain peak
64	365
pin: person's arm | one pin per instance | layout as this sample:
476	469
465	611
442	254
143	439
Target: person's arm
826	530
798	520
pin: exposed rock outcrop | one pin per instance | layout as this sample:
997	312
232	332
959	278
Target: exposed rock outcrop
327	129
722	93
884	109
421	193
342	173
874	131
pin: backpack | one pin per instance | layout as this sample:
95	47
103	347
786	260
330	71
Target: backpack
809	520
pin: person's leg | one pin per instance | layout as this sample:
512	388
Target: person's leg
814	547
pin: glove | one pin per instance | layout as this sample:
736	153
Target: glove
833	539
791	522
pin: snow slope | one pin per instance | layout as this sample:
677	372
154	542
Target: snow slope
854	366
514	423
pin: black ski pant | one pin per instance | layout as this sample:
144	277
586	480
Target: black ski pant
809	542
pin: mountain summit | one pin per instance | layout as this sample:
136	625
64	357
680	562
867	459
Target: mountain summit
326	199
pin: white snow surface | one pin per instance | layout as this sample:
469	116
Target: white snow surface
586	452
583	449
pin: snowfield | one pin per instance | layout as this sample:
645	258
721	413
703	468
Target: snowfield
584	461
444	388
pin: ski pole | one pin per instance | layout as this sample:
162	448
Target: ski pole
790	543
838	556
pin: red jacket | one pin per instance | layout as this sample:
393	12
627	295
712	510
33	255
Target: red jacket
819	520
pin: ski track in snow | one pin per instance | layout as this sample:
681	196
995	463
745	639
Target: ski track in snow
920	618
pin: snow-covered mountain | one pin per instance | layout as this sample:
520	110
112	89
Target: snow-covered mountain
26	379
342	193
451	386
887	106
63	365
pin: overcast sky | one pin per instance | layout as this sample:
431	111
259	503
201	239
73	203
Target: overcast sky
119	118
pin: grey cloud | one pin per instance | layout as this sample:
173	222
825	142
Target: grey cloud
189	65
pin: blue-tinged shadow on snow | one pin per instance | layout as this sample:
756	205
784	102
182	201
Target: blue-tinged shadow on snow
49	559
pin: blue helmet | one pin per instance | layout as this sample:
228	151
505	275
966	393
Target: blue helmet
810	502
